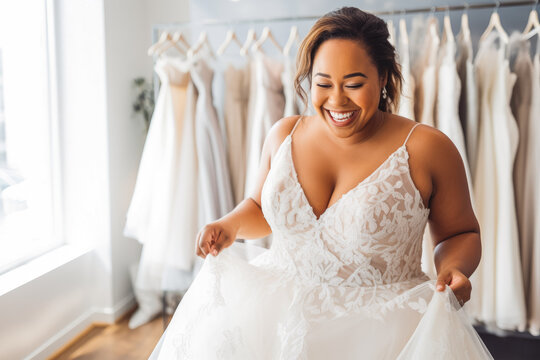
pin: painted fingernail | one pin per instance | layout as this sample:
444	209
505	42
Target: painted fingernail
214	252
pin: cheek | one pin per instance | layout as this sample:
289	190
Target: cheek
317	97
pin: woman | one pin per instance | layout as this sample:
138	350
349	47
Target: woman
347	193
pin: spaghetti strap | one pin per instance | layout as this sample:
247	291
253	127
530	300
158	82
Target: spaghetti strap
410	132
295	125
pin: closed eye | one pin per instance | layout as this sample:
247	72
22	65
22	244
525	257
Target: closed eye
324	85
355	86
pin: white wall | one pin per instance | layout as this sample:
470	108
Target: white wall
101	49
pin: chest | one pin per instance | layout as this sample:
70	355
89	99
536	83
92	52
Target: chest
325	177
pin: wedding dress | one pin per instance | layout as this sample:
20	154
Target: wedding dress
497	297
345	285
215	190
267	105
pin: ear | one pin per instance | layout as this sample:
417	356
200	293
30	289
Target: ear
384	80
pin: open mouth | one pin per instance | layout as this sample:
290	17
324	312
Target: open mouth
342	118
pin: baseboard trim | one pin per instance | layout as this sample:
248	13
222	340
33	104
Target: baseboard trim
94	317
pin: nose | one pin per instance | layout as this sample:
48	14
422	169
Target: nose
337	97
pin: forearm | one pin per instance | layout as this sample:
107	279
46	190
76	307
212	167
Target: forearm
248	220
461	251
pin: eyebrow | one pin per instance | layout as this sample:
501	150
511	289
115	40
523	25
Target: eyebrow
345	77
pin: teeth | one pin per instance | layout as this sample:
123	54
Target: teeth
341	116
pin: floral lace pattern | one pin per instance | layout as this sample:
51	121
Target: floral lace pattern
356	268
371	236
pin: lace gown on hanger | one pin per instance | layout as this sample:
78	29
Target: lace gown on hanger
346	285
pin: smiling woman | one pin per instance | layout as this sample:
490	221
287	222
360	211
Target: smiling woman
343	277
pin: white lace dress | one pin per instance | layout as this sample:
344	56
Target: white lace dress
346	285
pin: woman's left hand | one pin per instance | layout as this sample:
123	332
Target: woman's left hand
458	282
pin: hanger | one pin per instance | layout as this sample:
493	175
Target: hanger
293	37
250	38
165	40
532	22
533	25
231	36
177	39
465	29
448	34
202	42
266	34
495	23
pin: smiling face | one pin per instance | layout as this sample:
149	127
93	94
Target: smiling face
346	86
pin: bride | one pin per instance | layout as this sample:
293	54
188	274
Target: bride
347	194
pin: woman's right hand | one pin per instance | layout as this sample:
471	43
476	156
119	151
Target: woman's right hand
214	237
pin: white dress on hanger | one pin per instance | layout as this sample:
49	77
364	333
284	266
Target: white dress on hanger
497	297
406	103
526	107
215	189
235	116
267	107
426	84
346	285
162	213
448	91
468	102
425	69
287	79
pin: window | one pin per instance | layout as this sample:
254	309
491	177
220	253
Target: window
27	201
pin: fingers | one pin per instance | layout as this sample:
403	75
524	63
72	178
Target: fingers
458	283
442	281
202	242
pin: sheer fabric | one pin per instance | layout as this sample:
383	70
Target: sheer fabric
346	285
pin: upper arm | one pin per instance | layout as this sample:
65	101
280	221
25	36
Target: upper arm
277	134
451	211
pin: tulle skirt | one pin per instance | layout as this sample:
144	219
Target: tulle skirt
244	305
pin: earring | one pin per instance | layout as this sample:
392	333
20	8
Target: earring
384	93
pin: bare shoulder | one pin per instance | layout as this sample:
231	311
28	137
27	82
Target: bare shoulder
435	157
279	131
433	146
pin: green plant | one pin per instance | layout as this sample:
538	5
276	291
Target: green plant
144	99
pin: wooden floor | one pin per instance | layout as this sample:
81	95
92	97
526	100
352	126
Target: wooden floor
116	341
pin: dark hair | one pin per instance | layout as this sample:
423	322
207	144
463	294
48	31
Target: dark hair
353	24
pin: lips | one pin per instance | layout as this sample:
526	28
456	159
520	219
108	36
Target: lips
341	118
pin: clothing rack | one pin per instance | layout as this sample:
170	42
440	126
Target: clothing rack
434	9
157	28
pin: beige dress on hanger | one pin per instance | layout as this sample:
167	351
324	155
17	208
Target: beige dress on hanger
235	115
525	105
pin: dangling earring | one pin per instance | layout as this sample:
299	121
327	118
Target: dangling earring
384	93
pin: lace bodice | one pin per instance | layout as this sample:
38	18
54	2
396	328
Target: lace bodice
371	236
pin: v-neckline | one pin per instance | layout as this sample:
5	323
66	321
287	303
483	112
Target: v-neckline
358	185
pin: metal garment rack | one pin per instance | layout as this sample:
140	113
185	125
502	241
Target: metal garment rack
434	9
157	28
